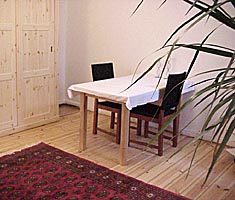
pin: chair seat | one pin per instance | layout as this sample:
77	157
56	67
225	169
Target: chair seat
150	110
110	104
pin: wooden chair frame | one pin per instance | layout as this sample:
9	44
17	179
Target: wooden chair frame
160	120
103	71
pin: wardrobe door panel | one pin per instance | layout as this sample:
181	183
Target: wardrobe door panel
8	116
35	60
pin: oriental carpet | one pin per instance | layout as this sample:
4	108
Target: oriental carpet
45	172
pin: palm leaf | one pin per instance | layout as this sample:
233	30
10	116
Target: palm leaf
182	26
138	6
214	51
219	89
217	15
227	135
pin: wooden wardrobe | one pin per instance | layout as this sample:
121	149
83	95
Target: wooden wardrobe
28	64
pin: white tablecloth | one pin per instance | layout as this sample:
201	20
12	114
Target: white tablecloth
142	92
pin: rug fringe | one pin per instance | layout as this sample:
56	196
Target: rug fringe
17	150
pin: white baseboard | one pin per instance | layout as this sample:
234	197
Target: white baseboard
76	103
71	102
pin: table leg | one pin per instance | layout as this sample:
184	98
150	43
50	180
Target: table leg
125	125
83	121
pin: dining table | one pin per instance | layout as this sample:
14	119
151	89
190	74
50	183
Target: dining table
120	90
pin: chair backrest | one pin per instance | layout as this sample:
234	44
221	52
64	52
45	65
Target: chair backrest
101	71
173	90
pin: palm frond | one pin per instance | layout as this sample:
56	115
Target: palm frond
227	135
217	97
217	15
137	8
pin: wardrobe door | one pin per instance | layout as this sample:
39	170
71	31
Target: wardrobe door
7	65
36	61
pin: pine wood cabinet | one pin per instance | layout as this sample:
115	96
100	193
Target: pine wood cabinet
28	64
8	111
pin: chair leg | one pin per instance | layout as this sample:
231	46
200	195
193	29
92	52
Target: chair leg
160	137
160	145
139	126
146	129
118	131
175	131
112	120
95	118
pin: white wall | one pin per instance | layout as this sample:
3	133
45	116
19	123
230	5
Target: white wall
104	30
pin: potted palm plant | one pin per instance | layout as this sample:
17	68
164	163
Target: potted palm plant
220	87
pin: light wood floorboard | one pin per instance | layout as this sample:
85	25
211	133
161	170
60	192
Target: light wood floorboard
168	173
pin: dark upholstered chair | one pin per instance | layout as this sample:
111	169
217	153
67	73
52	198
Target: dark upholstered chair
160	114
103	71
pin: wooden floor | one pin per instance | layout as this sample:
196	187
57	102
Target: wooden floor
167	173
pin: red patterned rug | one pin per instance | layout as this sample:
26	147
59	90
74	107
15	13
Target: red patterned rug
44	172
